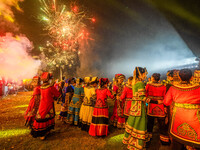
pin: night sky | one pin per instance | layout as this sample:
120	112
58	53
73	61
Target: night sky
124	27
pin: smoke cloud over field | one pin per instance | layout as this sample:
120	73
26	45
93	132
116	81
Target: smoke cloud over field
16	63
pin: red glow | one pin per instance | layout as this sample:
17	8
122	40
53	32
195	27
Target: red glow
93	20
64	47
75	9
53	7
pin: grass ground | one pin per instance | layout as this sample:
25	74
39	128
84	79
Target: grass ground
14	135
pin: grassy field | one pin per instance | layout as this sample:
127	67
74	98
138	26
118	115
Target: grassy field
14	135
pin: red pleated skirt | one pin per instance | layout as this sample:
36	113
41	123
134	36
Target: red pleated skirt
115	119
99	125
40	129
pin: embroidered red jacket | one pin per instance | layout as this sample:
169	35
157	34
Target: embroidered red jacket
102	95
118	110
33	104
46	107
155	92
118	89
126	98
185	124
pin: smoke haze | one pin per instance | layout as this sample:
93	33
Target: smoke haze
16	63
147	40
6	8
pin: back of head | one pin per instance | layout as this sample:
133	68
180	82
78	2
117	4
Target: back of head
130	78
185	74
73	80
62	84
87	80
156	76
79	81
46	76
63	78
138	71
170	73
119	76
36	81
103	81
94	80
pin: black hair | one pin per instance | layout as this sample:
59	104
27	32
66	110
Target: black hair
72	80
38	83
130	78
103	82
156	76
185	74
80	80
62	84
141	70
170	73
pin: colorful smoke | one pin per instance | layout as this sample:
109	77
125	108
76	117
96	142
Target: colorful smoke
16	63
5	8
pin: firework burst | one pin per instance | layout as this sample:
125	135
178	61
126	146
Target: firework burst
66	25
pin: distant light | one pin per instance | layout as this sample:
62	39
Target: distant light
93	20
75	9
45	18
53	7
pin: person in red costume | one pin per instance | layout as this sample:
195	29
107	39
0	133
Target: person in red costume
185	123
34	102
155	91
126	96
100	117
44	119
118	119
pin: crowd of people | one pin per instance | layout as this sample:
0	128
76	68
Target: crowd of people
137	105
8	88
12	87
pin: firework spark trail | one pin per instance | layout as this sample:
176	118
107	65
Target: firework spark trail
5	8
16	63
